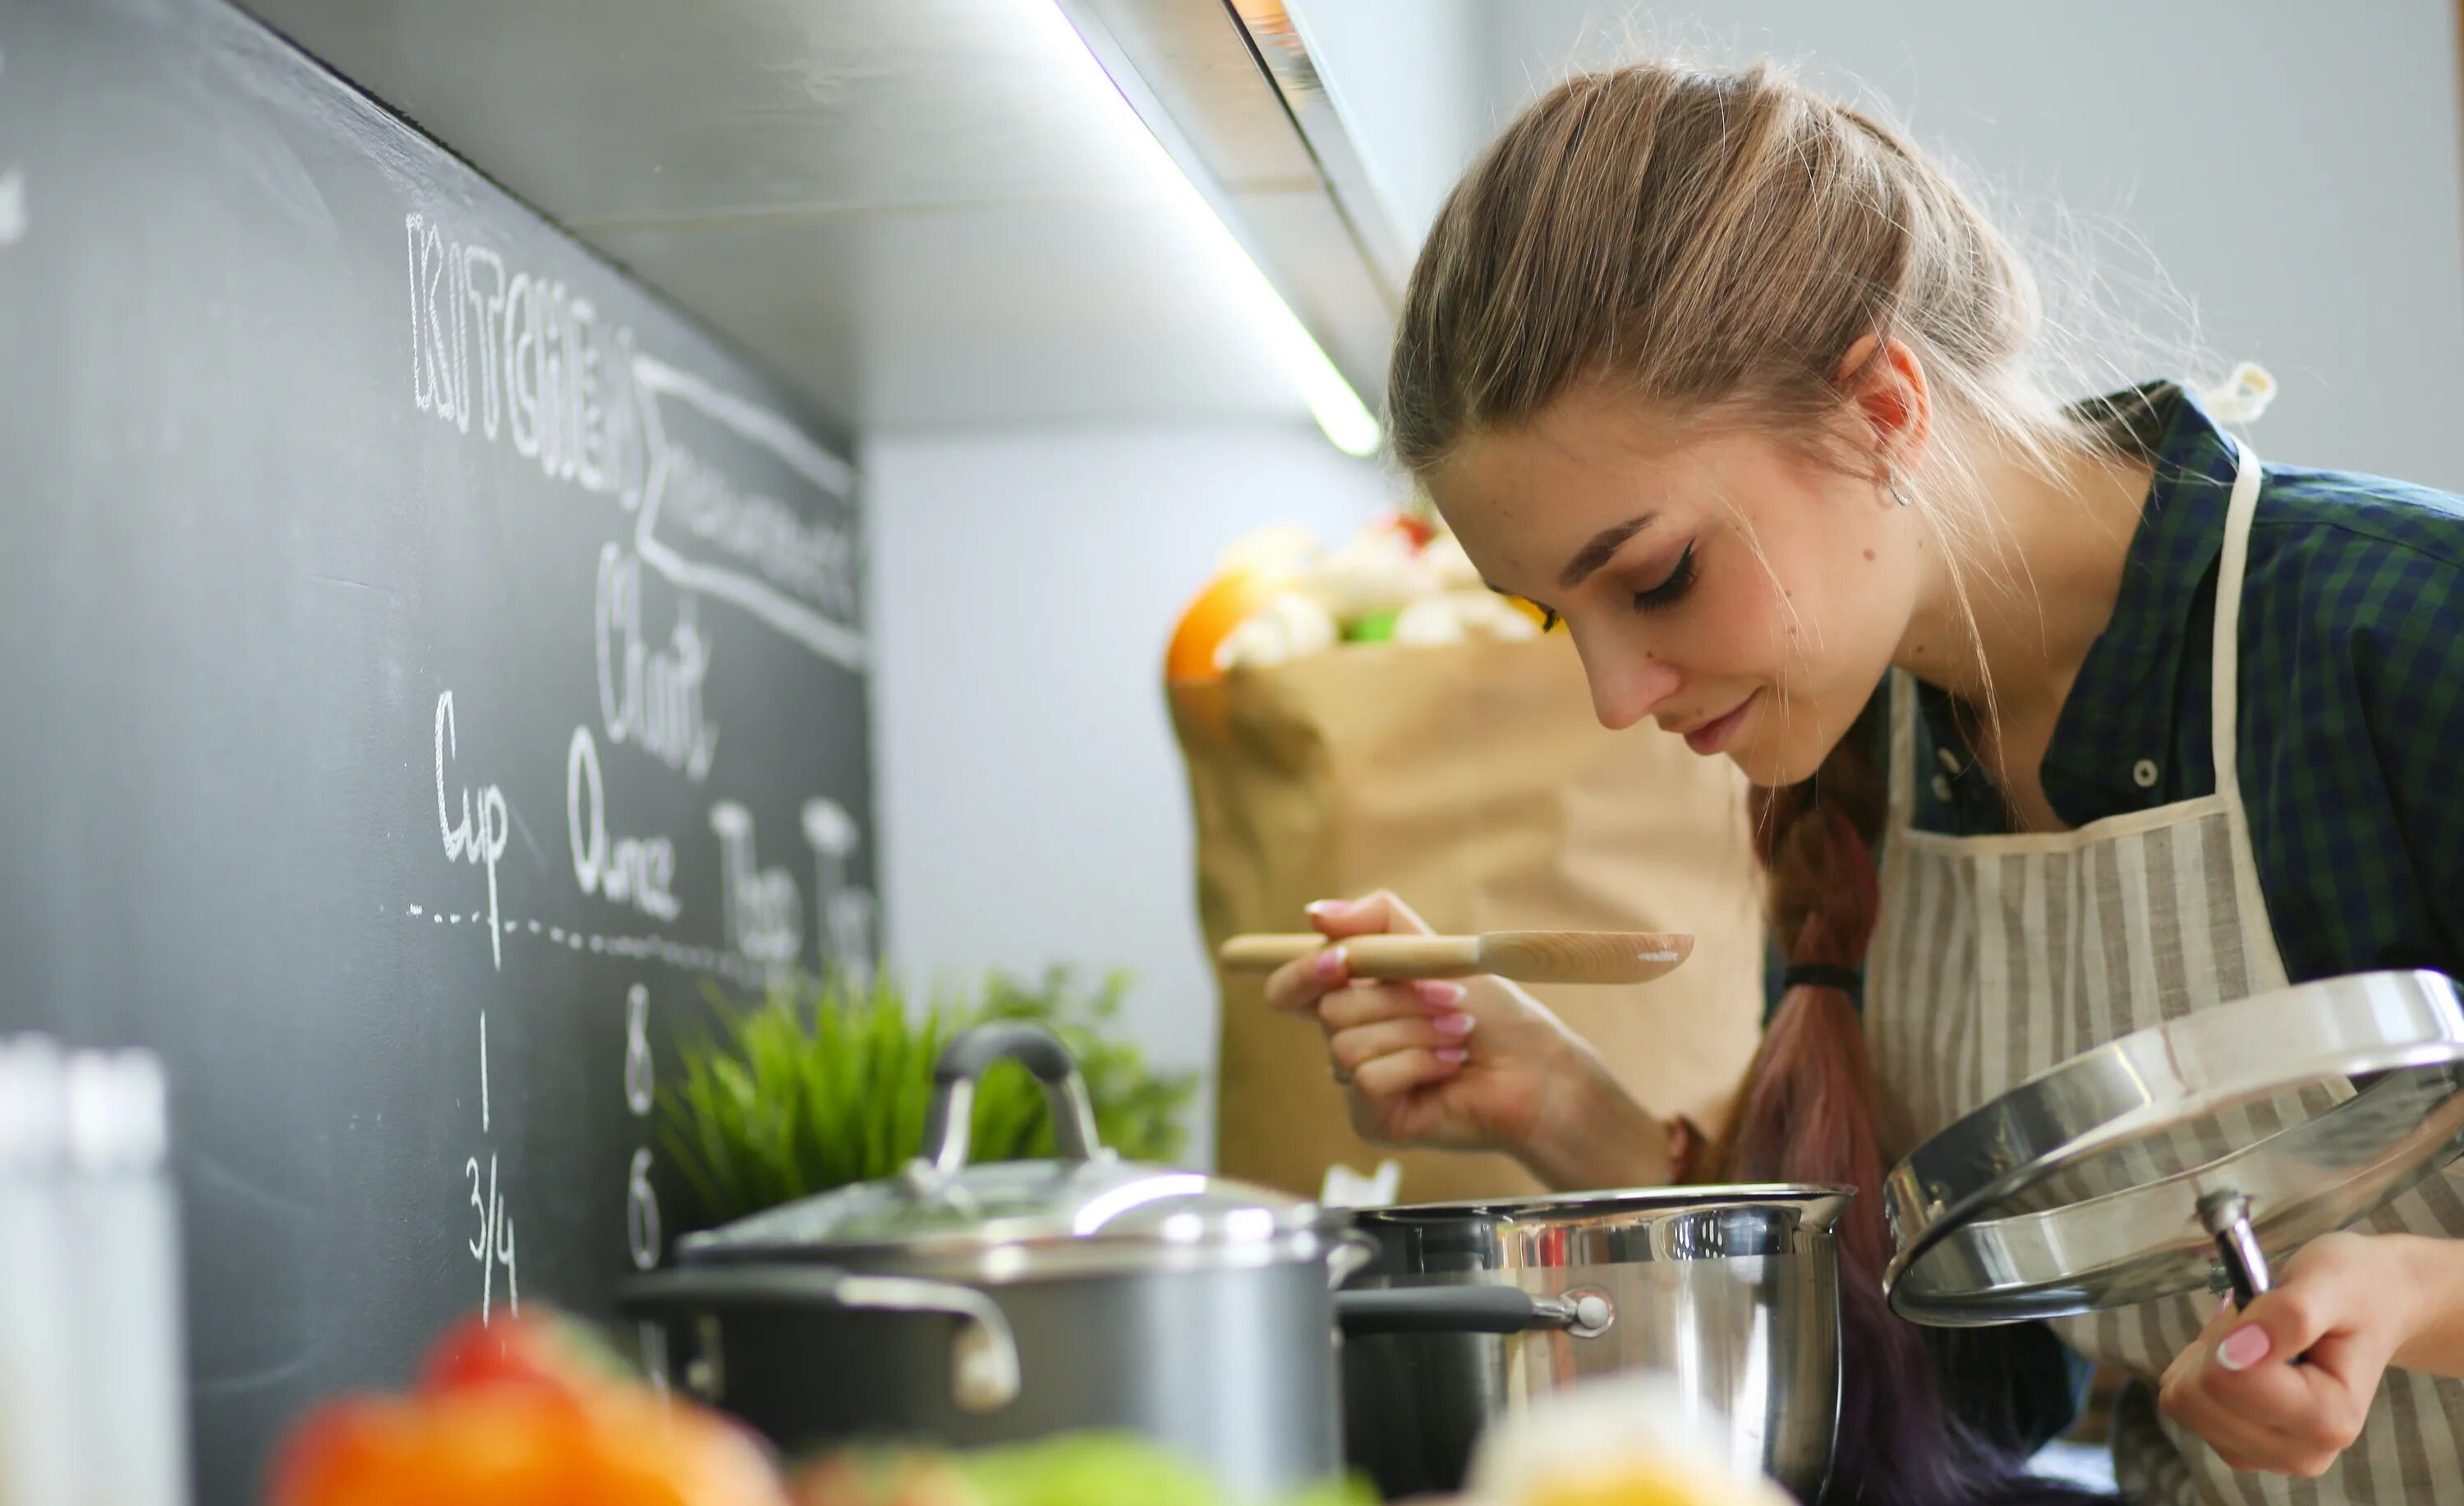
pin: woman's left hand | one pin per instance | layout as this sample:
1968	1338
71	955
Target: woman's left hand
2286	1387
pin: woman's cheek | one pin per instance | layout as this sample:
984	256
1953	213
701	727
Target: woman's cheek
1774	639
1747	627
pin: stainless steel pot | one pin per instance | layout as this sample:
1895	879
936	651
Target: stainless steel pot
1733	1291
974	1305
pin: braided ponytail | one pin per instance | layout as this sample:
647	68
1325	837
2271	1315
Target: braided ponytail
1807	1114
1807	1111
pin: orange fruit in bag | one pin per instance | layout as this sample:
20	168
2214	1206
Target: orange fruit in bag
1229	600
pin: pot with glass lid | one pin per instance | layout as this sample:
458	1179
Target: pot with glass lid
969	1305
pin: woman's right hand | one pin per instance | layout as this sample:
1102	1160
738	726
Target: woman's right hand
1471	1065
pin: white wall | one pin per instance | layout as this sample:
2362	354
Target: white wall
1023	586
2292	166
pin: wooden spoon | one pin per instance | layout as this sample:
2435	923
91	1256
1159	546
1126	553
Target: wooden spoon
1525	956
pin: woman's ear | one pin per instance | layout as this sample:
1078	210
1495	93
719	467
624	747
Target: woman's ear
1885	383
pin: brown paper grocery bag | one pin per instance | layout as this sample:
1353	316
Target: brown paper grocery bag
1474	781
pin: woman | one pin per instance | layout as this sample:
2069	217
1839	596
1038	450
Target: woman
1733	383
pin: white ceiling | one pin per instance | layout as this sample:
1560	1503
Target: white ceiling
904	207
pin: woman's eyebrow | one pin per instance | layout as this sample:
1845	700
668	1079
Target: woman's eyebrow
1602	548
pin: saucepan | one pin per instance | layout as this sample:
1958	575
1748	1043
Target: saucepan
969	1305
1730	1292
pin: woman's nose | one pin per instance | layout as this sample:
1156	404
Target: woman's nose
1628	685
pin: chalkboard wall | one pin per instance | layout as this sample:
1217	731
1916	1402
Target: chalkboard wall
427	659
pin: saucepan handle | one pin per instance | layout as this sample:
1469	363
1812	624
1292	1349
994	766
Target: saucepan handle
1467	1310
1351	1252
983	1362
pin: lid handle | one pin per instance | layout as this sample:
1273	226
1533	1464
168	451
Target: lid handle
949	1122
2226	1216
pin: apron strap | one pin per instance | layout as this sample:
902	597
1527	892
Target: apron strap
2225	695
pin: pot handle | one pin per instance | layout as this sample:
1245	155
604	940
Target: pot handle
1467	1310
949	1122
983	1362
1352	1253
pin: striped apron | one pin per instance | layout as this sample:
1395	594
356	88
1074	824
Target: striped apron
1998	956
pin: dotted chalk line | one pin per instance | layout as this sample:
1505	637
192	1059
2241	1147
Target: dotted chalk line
644	947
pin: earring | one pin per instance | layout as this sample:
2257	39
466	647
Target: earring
1897	496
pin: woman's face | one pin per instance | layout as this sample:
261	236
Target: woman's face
1714	580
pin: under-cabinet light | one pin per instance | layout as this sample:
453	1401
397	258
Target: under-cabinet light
1337	408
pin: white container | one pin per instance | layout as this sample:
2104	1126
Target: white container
39	1425
125	1271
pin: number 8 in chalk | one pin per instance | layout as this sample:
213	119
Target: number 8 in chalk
638	1082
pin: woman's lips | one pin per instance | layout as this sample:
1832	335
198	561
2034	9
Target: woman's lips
1714	735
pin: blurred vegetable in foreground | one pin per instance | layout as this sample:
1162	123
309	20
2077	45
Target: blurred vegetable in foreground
521	1413
825	1083
1634	1438
537	1411
1089	1469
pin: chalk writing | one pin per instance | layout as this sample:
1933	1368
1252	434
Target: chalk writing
486	843
648	697
842	912
641	1199
525	355
734	510
637	1049
629	870
641	1214
684	956
760	904
795	571
494	1245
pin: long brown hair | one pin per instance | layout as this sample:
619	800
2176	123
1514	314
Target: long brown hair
1716	243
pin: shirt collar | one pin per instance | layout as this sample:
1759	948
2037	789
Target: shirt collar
2118	719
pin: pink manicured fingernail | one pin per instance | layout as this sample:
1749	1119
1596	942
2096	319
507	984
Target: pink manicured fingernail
1438	993
2245	1347
1453	1056
1454	1024
1329	965
1329	909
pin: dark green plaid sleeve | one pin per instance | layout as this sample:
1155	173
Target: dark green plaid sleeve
2353	721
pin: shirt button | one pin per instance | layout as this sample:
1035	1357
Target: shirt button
2143	773
1950	759
1941	788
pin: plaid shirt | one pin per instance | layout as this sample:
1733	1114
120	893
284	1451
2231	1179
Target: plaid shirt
2352	695
2351	733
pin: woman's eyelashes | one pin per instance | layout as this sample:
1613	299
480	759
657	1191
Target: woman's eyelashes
1672	587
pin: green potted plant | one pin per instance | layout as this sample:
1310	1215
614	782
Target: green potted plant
825	1082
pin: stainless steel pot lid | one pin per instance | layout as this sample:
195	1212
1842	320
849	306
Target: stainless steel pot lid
2183	1156
1086	1213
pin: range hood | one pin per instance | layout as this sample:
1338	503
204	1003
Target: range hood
909	209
